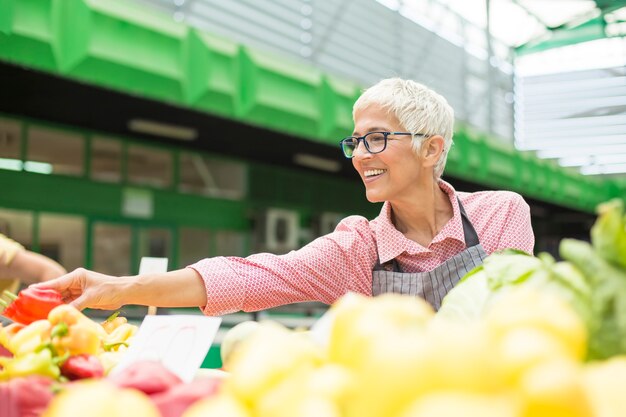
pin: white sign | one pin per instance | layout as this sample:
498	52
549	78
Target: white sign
137	203
179	342
149	265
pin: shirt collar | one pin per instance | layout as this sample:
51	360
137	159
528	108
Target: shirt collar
391	242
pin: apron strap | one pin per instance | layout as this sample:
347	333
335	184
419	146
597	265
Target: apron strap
469	233
471	237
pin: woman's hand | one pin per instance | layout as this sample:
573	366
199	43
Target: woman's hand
88	289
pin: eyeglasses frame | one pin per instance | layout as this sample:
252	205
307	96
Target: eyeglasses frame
362	139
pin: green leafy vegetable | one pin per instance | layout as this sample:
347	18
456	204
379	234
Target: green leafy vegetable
607	327
510	268
608	234
592	280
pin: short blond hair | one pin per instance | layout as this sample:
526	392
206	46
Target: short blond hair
419	109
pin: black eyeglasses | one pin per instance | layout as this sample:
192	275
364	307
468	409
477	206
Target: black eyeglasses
375	142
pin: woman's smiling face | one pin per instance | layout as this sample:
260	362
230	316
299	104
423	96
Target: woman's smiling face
393	173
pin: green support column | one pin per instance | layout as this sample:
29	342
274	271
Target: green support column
35	236
89	243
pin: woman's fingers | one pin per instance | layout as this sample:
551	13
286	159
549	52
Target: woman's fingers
64	282
80	302
83	288
71	285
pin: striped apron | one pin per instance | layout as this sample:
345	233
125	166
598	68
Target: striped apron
431	285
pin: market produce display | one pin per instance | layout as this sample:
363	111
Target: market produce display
519	336
57	362
64	345
51	343
144	389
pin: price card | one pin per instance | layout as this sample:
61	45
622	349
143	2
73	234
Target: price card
179	342
150	265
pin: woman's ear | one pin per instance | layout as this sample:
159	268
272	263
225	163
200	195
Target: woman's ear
432	150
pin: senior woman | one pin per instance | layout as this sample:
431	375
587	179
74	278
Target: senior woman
425	239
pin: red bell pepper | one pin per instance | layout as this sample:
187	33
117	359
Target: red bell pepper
82	367
177	399
25	396
148	377
14	314
31	304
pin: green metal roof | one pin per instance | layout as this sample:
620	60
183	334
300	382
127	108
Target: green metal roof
125	47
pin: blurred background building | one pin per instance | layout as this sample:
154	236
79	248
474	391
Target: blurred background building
194	128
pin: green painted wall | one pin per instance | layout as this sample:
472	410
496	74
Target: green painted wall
307	193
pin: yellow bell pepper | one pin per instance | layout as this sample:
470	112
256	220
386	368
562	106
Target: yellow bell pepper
69	315
32	363
29	338
7	333
76	339
119	336
74	333
111	358
113	322
100	399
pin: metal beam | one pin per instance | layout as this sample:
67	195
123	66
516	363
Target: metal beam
608	6
588	31
570	33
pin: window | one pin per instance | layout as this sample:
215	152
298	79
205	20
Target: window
62	237
211	176
54	152
111	249
194	245
106	159
149	166
154	242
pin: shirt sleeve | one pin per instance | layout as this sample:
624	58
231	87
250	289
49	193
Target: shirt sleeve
323	270
517	231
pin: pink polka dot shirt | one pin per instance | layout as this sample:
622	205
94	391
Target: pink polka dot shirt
342	261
